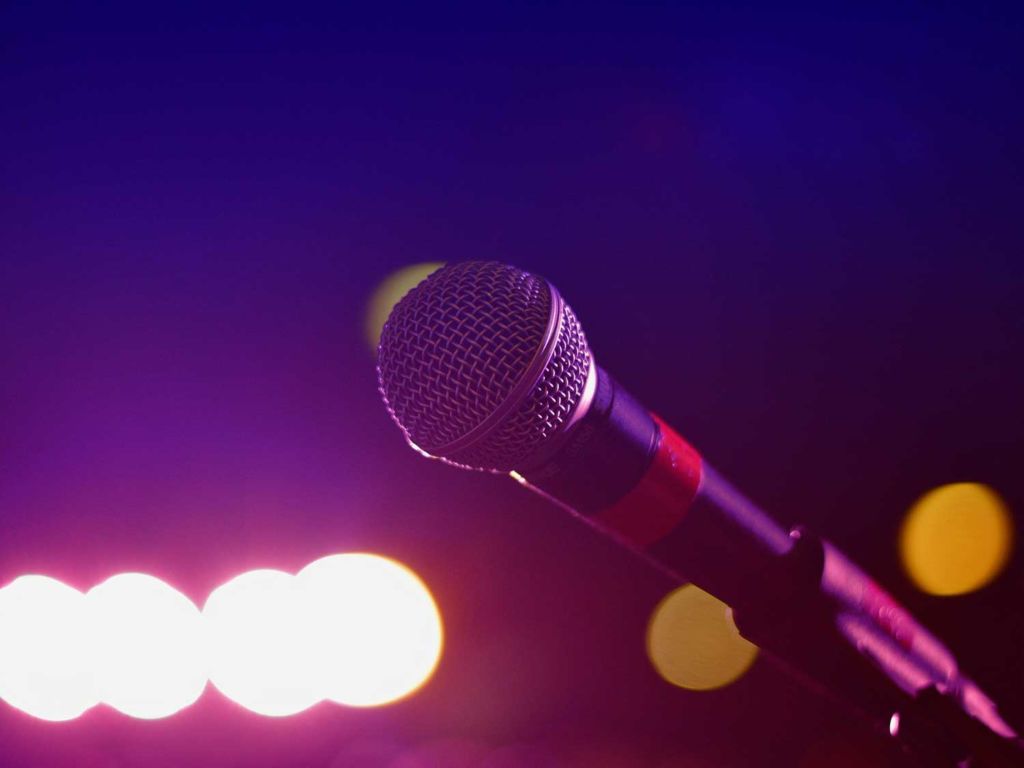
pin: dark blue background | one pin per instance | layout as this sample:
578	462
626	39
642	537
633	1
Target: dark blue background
794	232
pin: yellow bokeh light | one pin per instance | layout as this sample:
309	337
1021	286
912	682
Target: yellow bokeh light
693	643
389	292
956	539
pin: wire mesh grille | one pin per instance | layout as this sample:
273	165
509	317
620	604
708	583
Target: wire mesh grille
454	348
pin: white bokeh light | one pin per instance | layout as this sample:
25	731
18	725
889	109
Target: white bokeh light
45	649
150	657
376	631
258	640
357	629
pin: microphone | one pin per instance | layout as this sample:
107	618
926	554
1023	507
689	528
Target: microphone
485	367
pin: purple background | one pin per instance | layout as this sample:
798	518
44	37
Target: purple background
796	234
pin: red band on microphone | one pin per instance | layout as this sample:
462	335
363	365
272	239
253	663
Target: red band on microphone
660	500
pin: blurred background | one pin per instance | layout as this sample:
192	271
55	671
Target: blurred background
795	233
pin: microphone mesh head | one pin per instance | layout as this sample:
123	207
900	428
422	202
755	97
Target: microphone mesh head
456	352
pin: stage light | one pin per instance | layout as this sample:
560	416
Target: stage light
150	657
45	649
258	637
358	629
376	631
693	643
389	292
956	539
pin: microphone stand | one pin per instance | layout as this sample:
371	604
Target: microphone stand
818	613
